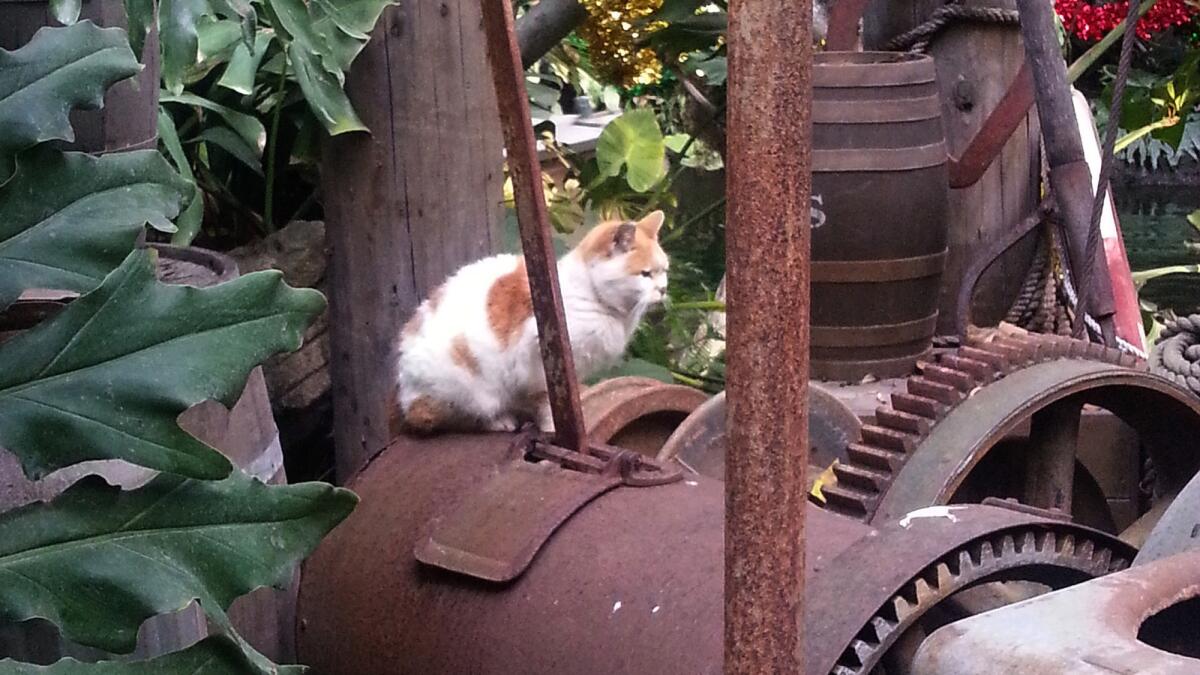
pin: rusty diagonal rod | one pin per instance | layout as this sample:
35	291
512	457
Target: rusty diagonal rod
769	159
562	384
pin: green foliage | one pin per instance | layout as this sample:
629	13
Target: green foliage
633	143
154	549
107	377
67	219
55	72
217	655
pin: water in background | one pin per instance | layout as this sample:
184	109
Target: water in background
1157	234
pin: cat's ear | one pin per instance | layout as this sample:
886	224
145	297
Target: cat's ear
651	224
623	238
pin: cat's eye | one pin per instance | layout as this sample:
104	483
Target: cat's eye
647	273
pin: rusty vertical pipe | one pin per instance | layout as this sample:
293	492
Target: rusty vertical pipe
767	254
508	78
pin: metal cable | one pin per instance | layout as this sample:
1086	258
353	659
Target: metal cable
1091	250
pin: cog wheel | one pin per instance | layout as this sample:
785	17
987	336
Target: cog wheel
923	448
939	565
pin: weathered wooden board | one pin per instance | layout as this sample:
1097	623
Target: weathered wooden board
971	88
408	204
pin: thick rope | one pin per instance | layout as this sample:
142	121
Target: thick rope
918	39
1087	277
1176	355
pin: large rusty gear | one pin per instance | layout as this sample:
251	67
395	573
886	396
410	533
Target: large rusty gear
921	446
938	565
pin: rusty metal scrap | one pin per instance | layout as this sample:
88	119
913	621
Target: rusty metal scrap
508	78
1104	626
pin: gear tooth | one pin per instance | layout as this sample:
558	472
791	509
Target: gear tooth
1008	546
902	607
1028	543
924	591
942	393
918	405
896	441
874	457
950	377
843	670
863	650
1046	542
985	554
902	421
980	370
883	628
944	576
1067	545
861	478
996	361
1086	548
849	502
1103	560
965	561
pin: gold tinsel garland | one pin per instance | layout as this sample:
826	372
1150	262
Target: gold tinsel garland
612	31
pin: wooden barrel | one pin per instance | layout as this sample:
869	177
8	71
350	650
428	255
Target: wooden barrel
246	434
880	194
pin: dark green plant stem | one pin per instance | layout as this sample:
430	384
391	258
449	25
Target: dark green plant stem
213	186
273	143
704	305
678	231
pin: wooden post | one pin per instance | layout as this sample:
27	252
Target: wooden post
1008	192
408	204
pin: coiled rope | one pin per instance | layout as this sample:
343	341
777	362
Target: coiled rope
1176	355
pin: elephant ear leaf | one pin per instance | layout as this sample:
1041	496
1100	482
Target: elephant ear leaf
98	561
58	70
68	219
107	377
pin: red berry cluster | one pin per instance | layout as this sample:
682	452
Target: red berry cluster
1090	22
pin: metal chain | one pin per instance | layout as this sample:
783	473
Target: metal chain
918	39
1092	249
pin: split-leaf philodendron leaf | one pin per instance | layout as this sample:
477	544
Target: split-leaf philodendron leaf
98	561
58	70
216	655
107	377
68	219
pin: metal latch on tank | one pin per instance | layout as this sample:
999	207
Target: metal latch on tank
495	533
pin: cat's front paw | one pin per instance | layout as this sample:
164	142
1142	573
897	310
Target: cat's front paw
505	423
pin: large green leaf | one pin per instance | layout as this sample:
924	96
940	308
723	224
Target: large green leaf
178	21
98	561
635	142
107	377
324	93
247	126
192	218
68	219
59	69
243	65
345	25
217	655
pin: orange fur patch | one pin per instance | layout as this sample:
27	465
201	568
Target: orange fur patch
509	304
644	253
424	415
436	297
460	354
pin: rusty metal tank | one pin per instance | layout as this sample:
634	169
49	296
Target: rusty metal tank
631	581
880	200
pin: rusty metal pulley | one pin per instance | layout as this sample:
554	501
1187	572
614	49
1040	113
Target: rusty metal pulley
637	412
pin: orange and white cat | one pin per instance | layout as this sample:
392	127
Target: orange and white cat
469	356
